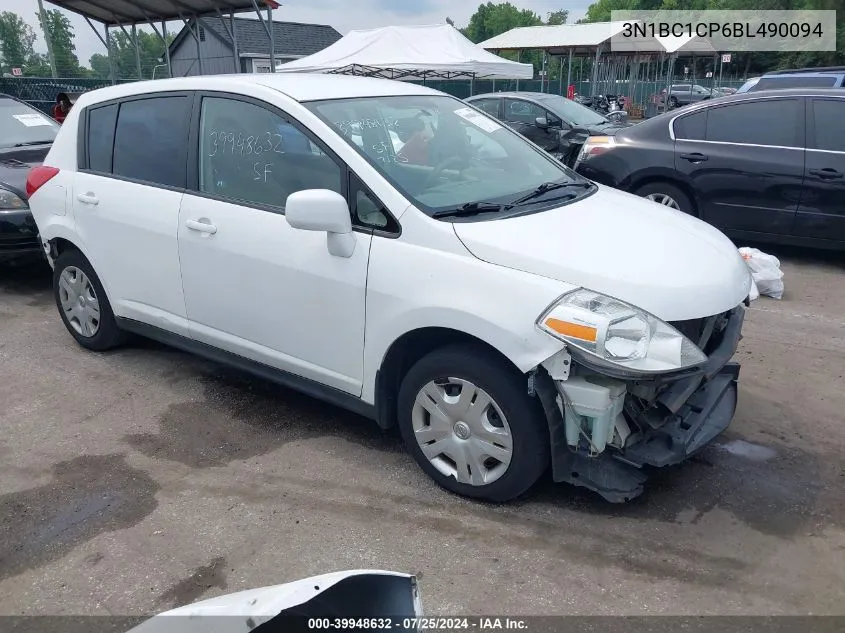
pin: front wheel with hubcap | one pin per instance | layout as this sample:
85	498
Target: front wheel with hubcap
469	422
82	303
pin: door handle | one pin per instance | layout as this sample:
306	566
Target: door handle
88	198
695	157
202	227
826	174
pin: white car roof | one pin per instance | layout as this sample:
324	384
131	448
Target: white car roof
298	86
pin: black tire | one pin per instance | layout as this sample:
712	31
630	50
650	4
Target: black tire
509	390
671	190
107	335
673	103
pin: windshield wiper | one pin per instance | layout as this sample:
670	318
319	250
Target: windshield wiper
470	208
32	143
549	186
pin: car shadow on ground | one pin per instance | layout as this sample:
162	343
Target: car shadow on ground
775	495
30	276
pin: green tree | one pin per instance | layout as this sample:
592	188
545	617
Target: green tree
491	19
60	31
151	49
557	17
38	65
16	42
99	66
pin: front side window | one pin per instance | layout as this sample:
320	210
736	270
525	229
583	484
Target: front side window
251	154
21	125
158	123
446	154
519	111
774	122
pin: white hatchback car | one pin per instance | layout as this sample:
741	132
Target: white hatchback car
392	250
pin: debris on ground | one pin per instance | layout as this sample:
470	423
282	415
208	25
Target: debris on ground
765	272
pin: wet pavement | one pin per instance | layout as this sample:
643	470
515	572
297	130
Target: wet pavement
144	478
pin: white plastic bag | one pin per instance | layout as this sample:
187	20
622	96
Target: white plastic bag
765	271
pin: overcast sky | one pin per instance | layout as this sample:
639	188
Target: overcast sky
338	13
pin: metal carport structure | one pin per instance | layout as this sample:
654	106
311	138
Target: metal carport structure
631	59
130	13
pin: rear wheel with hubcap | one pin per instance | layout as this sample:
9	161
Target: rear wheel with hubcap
82	303
469	422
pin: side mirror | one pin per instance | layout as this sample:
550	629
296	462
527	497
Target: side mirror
541	122
323	210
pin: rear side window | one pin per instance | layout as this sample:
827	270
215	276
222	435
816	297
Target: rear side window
101	137
779	83
150	142
691	127
828	131
769	122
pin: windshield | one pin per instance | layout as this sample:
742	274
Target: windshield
21	125
748	85
442	154
574	113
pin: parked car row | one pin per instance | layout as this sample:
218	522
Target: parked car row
765	166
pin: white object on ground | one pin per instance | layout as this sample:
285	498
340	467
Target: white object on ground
363	593
765	272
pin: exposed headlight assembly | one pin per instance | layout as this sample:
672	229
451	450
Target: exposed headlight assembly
616	332
10	201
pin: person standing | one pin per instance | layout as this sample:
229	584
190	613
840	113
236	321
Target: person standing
61	107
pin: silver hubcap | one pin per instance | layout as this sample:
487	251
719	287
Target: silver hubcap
462	431
662	198
79	301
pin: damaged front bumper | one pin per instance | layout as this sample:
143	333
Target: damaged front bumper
689	410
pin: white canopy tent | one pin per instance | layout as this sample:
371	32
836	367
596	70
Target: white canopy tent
409	52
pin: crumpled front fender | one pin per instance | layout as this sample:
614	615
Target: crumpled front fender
368	594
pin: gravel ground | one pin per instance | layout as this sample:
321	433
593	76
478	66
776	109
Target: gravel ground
144	478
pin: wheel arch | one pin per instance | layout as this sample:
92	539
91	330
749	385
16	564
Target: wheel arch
62	240
407	350
641	182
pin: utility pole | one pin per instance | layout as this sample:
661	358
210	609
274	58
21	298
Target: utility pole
52	57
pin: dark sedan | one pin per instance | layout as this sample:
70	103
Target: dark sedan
555	123
766	166
26	136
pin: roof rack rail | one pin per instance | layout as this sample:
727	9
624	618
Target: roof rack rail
824	69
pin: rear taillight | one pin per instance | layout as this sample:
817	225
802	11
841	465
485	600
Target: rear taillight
37	177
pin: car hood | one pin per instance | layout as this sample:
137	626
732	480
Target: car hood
15	164
661	260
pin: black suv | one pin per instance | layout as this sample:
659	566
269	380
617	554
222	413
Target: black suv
767	166
828	77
